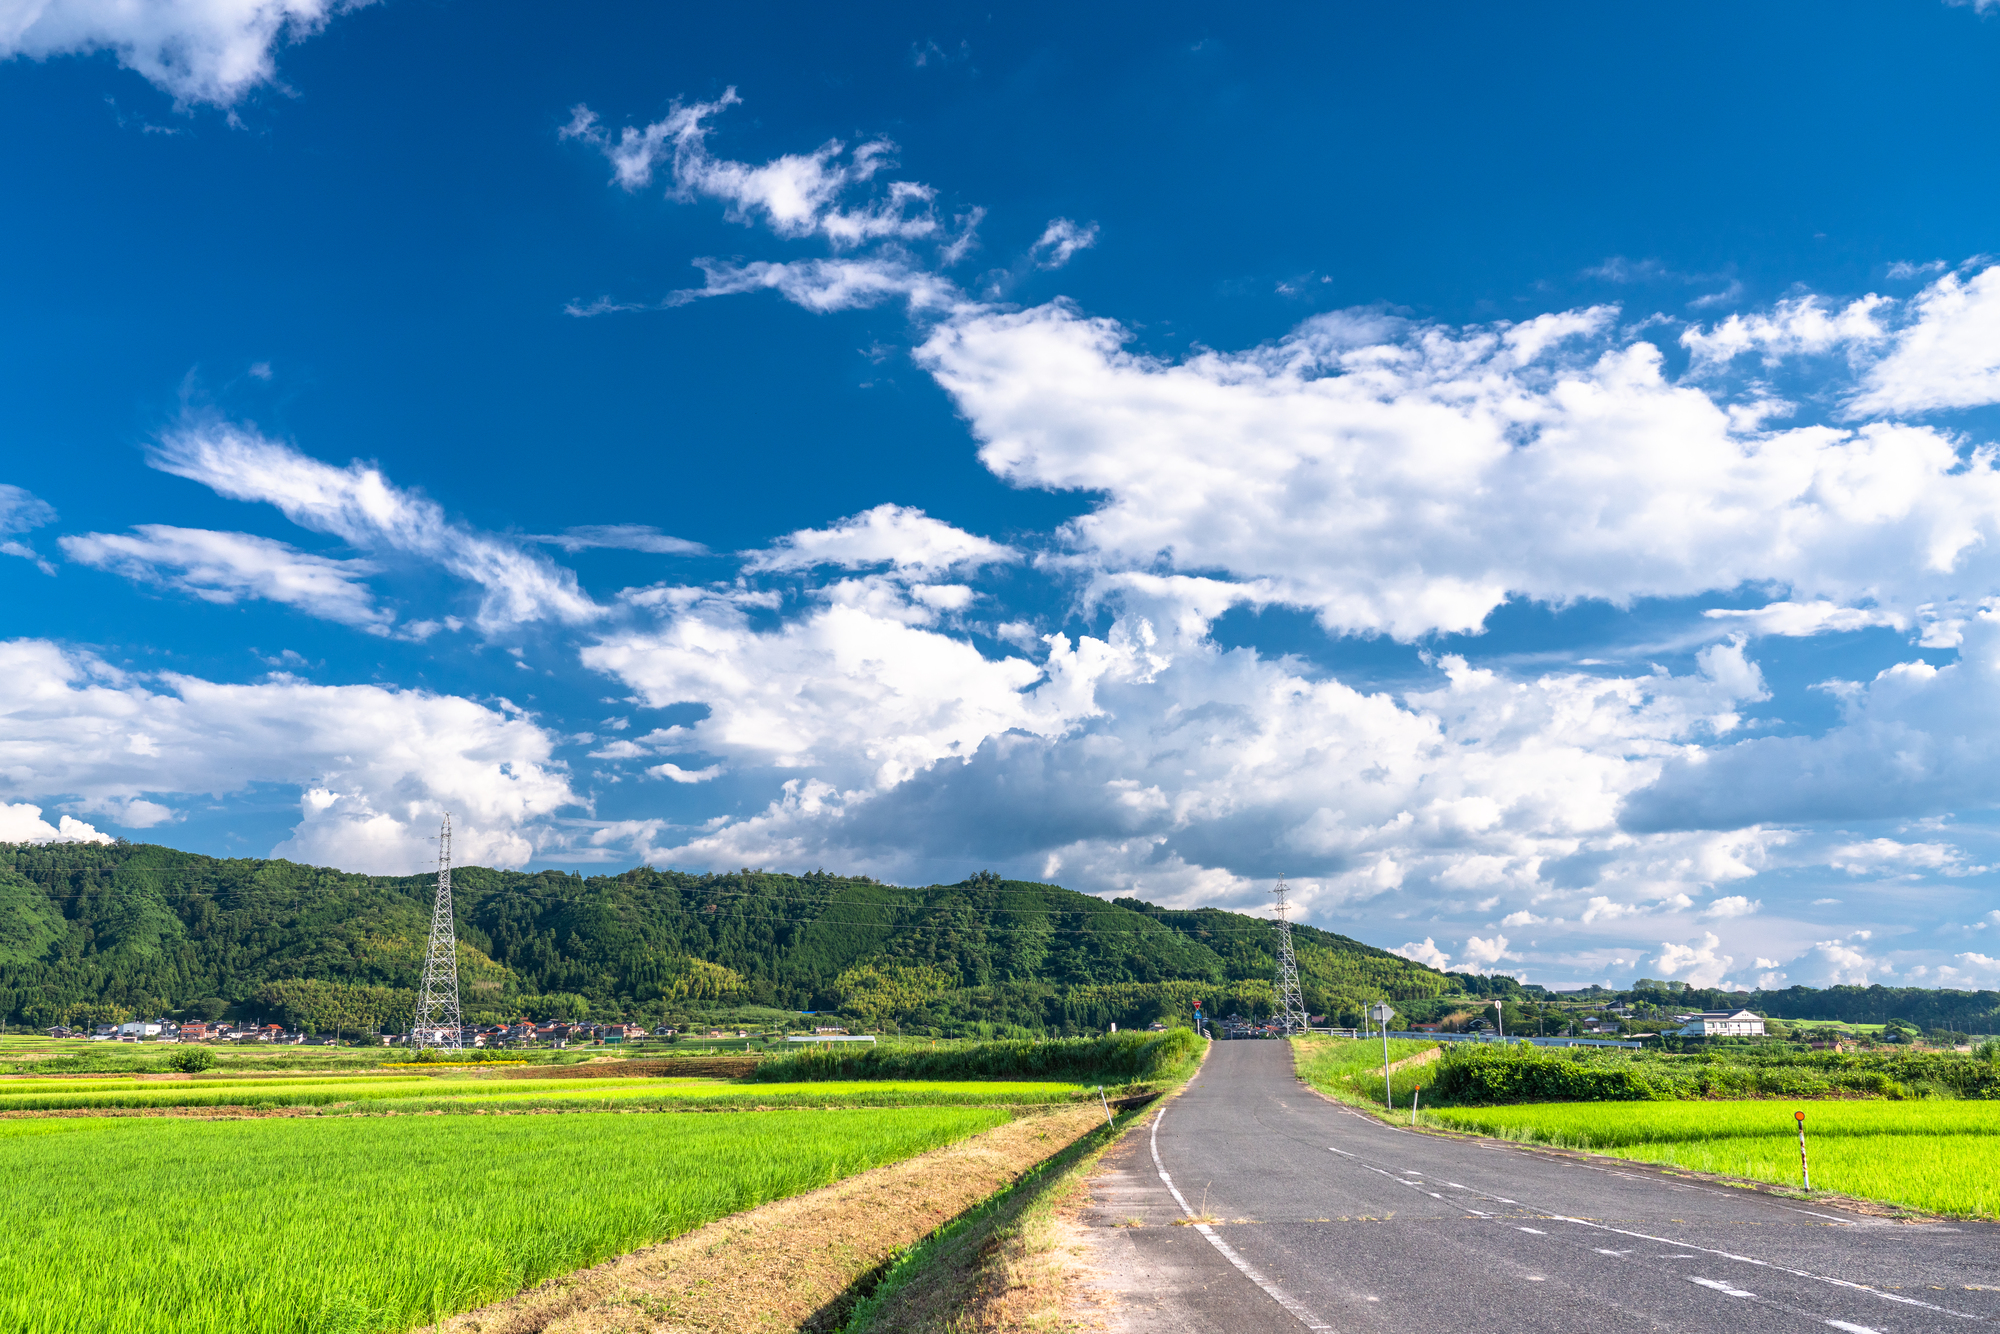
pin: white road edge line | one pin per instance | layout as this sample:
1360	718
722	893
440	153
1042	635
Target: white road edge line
1229	1253
1720	1287
1853	1329
1708	1250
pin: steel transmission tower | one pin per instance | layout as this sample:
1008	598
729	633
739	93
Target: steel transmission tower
437	1022
1291	1007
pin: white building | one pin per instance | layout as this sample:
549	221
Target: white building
1722	1023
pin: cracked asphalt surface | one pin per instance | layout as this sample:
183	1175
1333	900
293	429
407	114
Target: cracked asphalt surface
1329	1219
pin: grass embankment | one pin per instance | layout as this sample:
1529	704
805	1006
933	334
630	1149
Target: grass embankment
418	1093
802	1263
1934	1156
1350	1069
344	1226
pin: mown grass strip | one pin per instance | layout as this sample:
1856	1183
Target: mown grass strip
346	1226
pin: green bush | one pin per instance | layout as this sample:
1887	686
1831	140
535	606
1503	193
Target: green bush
1478	1074
1116	1058
192	1060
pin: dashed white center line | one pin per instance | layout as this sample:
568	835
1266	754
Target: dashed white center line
1715	1285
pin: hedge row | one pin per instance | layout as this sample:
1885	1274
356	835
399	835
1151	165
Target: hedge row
1486	1075
1115	1058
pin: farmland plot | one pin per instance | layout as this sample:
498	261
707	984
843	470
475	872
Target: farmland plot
350	1225
1932	1155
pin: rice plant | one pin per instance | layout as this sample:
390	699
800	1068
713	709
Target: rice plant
1924	1155
355	1225
390	1092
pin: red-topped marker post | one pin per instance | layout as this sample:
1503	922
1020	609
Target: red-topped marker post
1804	1170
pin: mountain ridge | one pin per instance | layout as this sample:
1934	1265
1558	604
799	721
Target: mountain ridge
93	929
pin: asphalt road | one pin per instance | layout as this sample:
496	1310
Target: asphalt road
1330	1220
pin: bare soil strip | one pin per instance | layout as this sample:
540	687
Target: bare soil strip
790	1265
1421	1058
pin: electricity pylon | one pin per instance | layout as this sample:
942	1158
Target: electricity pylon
437	1022
1291	1007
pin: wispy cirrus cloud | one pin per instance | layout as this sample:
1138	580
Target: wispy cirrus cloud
229	567
795	194
359	505
622	537
22	512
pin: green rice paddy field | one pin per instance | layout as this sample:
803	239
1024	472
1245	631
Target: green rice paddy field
405	1093
1934	1155
343	1225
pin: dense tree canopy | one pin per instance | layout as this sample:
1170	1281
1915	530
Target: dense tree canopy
89	930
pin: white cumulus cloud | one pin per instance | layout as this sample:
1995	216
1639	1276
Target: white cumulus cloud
1426	953
903	538
375	766
23	823
212	51
1702	961
1403	479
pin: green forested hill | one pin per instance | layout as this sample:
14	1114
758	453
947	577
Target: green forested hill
89	931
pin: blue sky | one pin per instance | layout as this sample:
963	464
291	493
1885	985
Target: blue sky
1526	476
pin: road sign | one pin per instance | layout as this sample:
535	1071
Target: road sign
1381	1013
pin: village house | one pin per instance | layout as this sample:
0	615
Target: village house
1721	1023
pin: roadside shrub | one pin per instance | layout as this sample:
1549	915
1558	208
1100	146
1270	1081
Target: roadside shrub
1115	1058
1496	1074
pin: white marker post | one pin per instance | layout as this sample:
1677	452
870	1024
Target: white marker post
1381	1014
1805	1171
1415	1094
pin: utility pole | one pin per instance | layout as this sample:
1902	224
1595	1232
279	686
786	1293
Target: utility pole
437	1022
1291	1006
